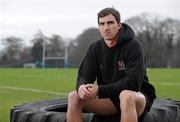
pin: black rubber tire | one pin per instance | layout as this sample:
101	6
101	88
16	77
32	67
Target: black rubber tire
163	110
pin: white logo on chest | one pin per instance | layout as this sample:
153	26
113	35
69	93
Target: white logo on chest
121	65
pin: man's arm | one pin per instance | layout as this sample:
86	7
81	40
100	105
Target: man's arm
87	70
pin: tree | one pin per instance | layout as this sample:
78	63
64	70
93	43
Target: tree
158	36
12	51
53	47
56	46
37	49
26	56
81	44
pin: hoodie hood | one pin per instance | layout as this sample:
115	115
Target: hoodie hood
126	34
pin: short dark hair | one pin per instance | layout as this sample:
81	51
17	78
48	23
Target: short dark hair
106	11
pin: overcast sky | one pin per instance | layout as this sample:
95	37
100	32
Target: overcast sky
68	18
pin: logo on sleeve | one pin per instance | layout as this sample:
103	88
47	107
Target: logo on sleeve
121	65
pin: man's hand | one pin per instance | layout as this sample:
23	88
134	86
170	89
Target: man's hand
93	90
88	91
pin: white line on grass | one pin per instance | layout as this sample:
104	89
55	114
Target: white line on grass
171	84
32	90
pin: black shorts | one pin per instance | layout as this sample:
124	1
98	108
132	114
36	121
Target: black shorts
147	108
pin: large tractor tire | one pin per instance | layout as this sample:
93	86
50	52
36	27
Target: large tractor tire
163	110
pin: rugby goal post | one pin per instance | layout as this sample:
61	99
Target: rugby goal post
65	57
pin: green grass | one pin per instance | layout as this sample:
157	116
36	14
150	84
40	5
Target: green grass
17	85
55	80
166	82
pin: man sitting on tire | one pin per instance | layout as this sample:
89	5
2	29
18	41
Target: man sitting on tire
117	63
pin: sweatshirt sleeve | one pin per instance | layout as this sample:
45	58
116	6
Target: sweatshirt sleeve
134	73
87	69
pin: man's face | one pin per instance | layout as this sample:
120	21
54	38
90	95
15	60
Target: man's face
108	27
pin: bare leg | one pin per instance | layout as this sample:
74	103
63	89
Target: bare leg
75	105
132	105
98	106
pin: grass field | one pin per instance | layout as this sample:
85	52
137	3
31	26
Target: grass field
19	86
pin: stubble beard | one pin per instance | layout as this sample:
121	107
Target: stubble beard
111	38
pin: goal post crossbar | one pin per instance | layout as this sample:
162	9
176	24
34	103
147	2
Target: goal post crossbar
54	58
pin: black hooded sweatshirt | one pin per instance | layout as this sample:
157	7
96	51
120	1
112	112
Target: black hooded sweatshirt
118	68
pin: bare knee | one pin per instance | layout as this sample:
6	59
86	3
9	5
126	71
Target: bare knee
74	111
127	99
73	96
74	99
